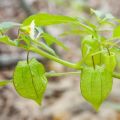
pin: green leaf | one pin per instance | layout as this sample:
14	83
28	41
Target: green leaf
75	32
24	41
116	31
44	47
29	80
104	18
51	40
95	85
109	16
7	25
6	40
4	82
88	22
39	31
43	19
99	14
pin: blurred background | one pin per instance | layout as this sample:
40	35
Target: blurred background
62	100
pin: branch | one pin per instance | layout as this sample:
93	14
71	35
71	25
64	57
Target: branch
63	62
53	74
54	58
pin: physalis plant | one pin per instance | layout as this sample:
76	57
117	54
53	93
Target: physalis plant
96	67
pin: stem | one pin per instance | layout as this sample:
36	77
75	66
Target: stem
86	27
54	58
53	74
1	33
93	62
18	33
108	51
44	47
28	52
68	64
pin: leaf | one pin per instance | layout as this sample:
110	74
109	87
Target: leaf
87	21
75	32
109	16
43	19
6	40
24	41
98	13
95	85
29	80
40	31
7	25
51	40
4	82
44	47
104	18
116	31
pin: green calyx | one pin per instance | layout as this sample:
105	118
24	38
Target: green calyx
29	80
95	84
96	75
89	46
109	61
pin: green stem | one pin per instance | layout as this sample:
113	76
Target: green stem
93	62
54	58
108	51
44	47
28	52
86	27
53	74
63	62
116	75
